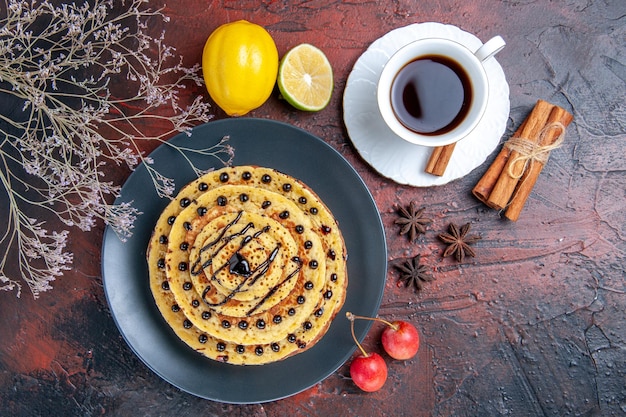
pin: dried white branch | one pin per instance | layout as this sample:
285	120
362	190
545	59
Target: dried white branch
65	122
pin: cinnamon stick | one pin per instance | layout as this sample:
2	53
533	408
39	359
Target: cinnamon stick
505	185
439	159
482	189
558	120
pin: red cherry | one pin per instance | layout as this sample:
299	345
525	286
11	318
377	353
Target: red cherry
369	372
401	340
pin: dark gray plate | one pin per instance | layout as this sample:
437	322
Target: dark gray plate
290	150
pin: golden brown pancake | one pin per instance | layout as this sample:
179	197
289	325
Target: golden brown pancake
247	265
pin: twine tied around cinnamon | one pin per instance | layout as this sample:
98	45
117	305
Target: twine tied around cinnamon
531	152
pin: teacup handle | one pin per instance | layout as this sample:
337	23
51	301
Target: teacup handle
490	48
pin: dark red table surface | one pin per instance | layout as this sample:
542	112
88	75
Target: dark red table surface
533	325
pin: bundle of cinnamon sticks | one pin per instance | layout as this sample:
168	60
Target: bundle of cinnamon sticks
510	179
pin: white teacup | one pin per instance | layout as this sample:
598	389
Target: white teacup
433	92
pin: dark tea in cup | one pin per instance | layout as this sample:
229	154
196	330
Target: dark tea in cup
434	91
431	95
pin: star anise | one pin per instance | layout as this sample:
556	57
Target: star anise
459	241
413	273
412	221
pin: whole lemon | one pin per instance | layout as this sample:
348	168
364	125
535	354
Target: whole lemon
240	65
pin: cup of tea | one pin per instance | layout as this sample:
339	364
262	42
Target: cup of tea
434	91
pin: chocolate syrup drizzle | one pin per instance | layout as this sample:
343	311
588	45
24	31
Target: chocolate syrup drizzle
277	286
237	264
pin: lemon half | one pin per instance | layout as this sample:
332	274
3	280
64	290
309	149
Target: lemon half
305	78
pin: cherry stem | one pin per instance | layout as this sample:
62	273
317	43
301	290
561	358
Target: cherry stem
393	326
351	317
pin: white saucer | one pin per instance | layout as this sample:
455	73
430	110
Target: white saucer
390	155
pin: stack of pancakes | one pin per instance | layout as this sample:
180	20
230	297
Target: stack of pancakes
247	265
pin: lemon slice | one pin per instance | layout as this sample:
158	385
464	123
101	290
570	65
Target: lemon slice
305	78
